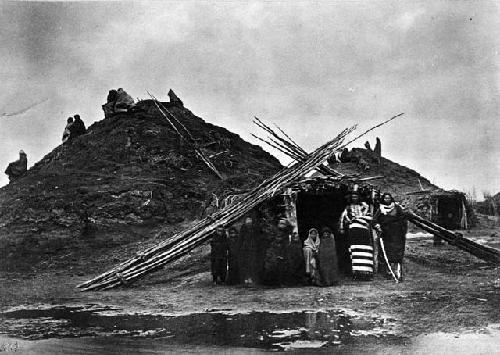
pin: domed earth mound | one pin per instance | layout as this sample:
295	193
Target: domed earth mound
129	178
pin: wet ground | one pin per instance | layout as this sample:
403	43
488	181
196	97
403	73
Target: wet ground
92	329
257	330
448	304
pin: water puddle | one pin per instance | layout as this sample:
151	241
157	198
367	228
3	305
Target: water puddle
264	330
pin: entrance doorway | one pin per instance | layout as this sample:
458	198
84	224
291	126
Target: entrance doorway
449	212
318	210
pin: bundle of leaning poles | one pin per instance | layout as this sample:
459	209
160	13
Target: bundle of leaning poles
185	241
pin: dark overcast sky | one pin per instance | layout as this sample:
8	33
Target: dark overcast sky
312	67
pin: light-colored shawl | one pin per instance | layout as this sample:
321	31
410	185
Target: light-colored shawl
385	209
310	243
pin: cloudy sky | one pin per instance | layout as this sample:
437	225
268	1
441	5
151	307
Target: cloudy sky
312	67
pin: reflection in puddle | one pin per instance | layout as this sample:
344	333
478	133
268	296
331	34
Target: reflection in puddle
280	331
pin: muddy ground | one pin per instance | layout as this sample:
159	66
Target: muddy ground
444	291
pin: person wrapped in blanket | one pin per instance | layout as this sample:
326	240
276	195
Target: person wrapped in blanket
310	249
218	255
355	226
391	222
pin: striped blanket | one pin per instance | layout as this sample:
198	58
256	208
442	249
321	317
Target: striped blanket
361	249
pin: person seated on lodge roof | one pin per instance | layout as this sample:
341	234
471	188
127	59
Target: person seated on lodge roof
67	132
118	101
218	255
77	128
174	98
327	256
391	222
109	106
378	151
345	156
17	168
332	160
355	225
311	247
112	95
233	271
124	101
374	154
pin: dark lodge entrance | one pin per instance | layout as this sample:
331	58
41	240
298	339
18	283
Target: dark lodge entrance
323	209
450	212
310	204
318	210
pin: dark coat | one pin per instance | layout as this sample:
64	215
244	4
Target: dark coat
219	249
296	272
233	263
77	128
328	263
250	245
394	226
275	263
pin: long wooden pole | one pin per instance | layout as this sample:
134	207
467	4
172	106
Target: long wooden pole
478	250
191	140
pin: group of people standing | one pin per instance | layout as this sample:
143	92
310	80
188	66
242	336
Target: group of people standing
279	257
251	256
366	240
